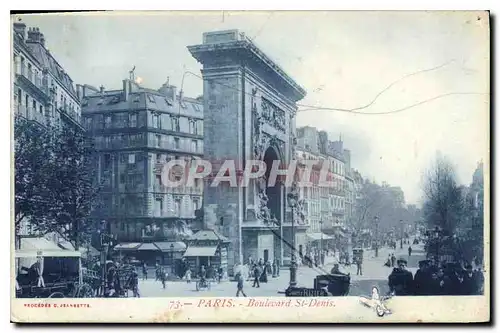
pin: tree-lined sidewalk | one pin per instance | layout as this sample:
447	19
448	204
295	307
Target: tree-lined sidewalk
55	186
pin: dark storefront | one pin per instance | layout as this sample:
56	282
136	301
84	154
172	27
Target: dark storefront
207	248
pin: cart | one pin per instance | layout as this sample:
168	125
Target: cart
335	284
357	255
50	274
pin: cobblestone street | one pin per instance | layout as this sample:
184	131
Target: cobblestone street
375	273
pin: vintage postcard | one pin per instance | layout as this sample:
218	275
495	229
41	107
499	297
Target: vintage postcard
230	166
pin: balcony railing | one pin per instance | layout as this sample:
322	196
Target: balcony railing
29	74
70	113
30	113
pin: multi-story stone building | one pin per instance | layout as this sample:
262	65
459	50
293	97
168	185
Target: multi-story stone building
349	188
324	206
42	91
136	131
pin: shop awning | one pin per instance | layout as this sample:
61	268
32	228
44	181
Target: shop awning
195	251
167	246
38	243
127	246
317	236
148	247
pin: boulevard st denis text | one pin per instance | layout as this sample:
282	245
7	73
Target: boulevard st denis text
266	303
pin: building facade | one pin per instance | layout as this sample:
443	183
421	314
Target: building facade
136	131
325	206
39	83
43	91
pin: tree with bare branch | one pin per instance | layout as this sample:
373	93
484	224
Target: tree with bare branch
444	200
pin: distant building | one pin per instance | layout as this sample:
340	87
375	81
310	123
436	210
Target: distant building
136	131
325	207
349	188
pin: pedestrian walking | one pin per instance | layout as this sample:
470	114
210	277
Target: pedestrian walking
256	276
157	272
409	251
163	277
388	262
144	271
220	272
359	266
134	283
187	276
393	260
240	281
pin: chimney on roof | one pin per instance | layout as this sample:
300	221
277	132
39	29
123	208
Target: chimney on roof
168	90
34	36
101	90
126	89
79	92
20	28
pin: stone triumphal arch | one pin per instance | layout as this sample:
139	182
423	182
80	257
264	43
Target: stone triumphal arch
249	110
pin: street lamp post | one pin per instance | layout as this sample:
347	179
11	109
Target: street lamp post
376	235
293	197
321	231
401	240
172	258
436	237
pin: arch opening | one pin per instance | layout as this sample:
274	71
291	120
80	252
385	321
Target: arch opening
273	192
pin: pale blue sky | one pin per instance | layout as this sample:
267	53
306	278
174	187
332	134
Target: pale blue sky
342	59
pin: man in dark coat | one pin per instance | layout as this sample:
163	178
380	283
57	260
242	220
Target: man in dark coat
479	281
468	286
421	281
256	276
401	280
454	275
393	260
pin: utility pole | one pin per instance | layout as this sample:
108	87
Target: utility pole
321	230
376	235
293	198
401	241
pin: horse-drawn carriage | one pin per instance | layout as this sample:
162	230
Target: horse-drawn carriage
50	274
335	284
120	279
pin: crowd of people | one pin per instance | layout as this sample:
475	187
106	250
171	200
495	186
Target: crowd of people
434	278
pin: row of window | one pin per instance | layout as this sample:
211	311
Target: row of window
178	143
155	140
132	159
335	166
166	205
139	119
176	208
337	203
23	99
